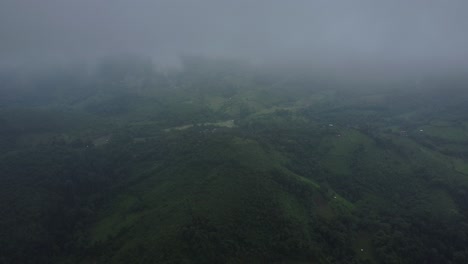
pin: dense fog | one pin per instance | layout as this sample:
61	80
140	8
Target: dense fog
400	34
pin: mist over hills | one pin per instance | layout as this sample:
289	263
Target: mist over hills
233	131
221	161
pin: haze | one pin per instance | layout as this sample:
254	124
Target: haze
336	32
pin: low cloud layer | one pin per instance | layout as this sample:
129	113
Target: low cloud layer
340	31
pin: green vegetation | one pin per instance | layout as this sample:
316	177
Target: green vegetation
225	163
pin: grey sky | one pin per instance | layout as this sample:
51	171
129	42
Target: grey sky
393	31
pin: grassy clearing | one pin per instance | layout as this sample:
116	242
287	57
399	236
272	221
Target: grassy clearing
460	165
227	123
341	150
449	133
215	103
323	208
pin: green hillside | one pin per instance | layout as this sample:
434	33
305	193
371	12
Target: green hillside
226	163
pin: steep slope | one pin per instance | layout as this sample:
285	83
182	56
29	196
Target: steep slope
217	198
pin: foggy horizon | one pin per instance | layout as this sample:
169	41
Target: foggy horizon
399	34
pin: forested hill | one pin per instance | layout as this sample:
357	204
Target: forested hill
221	162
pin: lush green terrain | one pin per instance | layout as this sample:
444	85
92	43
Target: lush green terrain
226	163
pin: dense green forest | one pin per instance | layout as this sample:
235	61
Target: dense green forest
223	162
